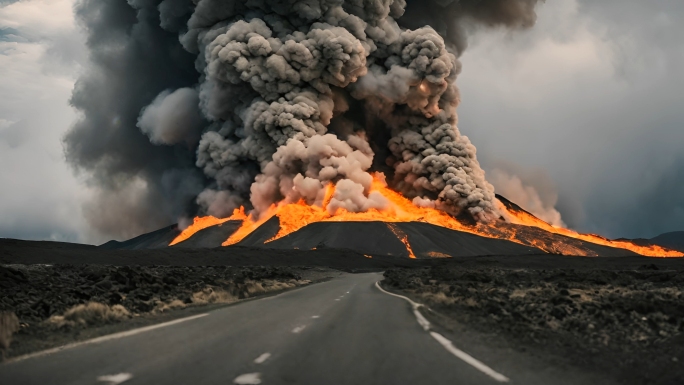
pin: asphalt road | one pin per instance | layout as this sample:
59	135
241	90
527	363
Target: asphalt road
344	331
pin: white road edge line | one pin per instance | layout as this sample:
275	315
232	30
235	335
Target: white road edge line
448	345
445	342
103	338
115	379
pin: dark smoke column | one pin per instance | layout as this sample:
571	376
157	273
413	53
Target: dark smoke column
281	76
294	94
135	56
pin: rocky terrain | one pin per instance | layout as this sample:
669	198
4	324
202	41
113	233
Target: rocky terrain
44	301
628	323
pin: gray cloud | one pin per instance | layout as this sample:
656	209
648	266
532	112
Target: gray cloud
591	94
40	196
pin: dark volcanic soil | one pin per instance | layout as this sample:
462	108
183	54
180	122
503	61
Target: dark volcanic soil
627	323
14	251
618	315
57	303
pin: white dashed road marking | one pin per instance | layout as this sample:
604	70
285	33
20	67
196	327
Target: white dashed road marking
446	343
298	329
248	379
315	316
115	379
262	358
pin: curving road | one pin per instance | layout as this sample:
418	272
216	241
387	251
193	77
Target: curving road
344	331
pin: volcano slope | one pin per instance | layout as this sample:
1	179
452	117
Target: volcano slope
400	239
673	240
420	237
154	240
212	236
380	238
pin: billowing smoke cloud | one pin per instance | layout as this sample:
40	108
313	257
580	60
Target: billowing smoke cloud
132	60
172	118
297	94
453	18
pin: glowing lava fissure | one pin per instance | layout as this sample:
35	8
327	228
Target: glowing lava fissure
294	216
403	238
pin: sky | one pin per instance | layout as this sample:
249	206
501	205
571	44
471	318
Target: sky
580	116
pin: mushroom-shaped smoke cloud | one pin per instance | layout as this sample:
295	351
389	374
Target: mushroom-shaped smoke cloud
297	94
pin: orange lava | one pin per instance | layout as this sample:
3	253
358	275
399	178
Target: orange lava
248	225
199	223
523	218
294	216
403	238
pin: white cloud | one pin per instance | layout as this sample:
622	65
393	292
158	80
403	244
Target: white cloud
590	94
38	18
40	196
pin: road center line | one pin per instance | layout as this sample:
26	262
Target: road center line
104	338
262	358
445	342
298	329
115	379
248	379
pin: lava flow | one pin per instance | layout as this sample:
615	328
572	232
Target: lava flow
294	216
199	223
522	217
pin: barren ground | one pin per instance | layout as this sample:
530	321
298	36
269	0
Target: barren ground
621	315
627	323
58	304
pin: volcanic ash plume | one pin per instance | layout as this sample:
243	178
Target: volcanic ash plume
293	96
292	88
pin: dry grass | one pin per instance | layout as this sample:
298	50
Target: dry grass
212	295
9	323
92	313
172	305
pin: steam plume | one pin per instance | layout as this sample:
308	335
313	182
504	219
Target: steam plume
295	93
532	191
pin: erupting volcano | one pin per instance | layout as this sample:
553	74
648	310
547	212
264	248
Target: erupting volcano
337	113
293	217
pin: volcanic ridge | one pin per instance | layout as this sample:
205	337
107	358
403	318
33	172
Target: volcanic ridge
410	239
